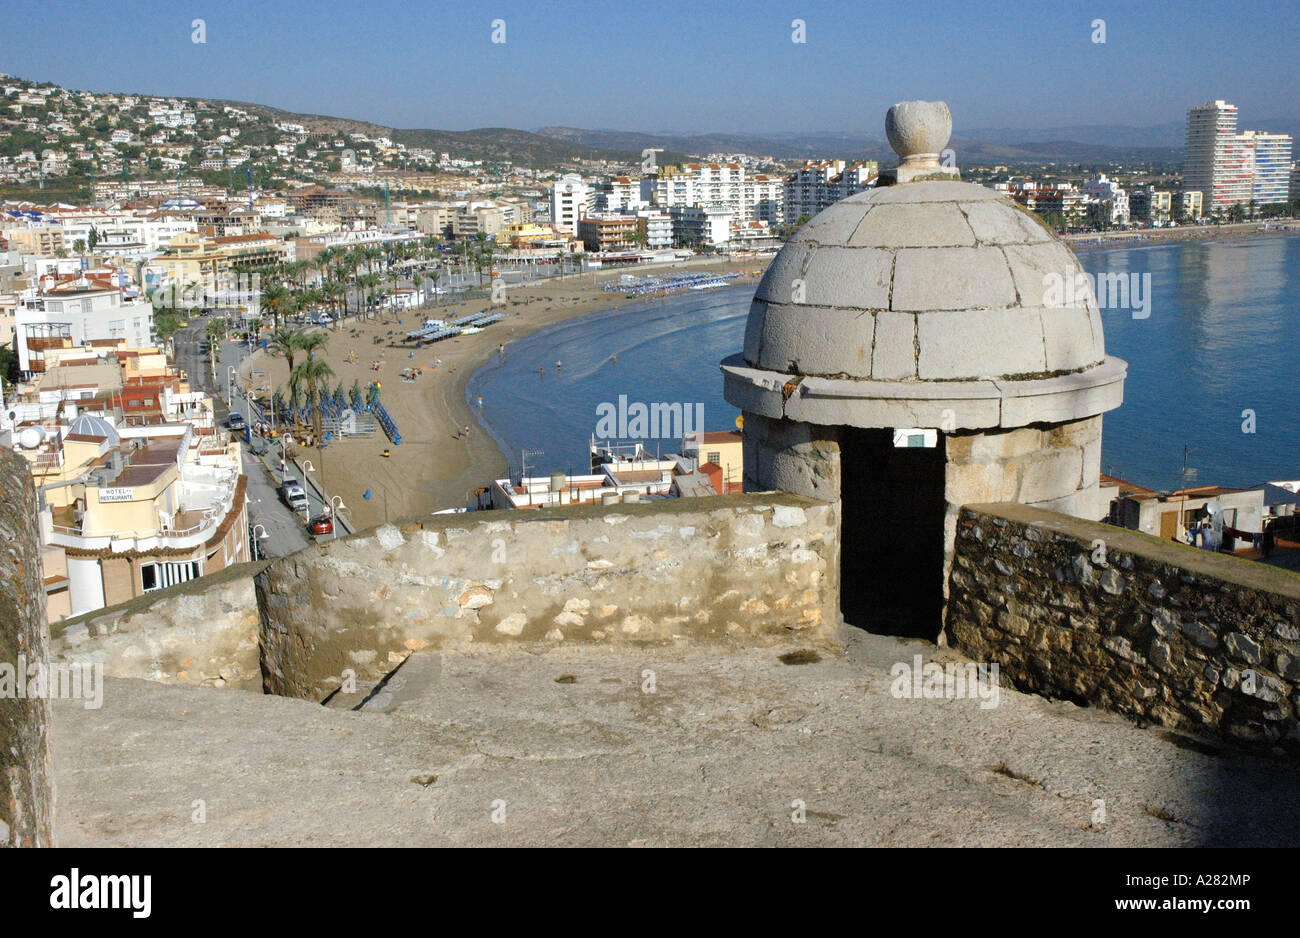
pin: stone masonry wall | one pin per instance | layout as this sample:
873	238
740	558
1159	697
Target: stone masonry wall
1129	622
26	793
203	632
742	568
1054	467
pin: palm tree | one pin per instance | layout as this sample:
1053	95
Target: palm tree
433	275
310	342
275	298
285	343
313	374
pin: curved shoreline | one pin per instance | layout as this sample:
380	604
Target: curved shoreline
435	467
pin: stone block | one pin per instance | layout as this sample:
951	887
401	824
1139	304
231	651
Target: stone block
1004	222
1013	344
936	224
832	225
1068	340
852	278
893	356
1051	473
814	340
1044	274
778	282
929	278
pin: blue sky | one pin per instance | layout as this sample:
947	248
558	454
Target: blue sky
680	66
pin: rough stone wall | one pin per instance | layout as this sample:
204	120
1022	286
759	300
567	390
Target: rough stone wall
785	456
749	568
26	794
1057	468
1126	621
202	632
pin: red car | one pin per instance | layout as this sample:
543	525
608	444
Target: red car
321	524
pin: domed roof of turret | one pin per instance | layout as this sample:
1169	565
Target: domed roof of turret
924	281
925	301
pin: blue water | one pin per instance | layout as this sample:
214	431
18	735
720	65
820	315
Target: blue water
1222	337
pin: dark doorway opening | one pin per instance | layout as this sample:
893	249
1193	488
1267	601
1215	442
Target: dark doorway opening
891	544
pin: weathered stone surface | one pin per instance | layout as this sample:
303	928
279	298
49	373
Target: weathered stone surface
893	355
710	569
944	342
823	341
992	222
206	632
925	224
934	278
26	788
714	756
849	278
1161	641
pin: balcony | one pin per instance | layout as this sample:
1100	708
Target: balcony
208	495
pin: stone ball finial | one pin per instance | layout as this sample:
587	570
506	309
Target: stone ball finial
918	131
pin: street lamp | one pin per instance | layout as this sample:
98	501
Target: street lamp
336	505
230	374
258	537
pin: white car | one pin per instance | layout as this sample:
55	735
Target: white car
326	319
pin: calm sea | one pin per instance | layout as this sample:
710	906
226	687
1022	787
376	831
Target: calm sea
1218	347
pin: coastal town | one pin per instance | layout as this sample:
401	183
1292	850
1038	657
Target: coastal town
227	333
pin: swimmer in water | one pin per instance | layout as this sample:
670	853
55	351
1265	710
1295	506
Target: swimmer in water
541	370
615	359
559	365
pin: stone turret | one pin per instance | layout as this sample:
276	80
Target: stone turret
927	305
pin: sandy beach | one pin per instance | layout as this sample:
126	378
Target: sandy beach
434	468
1110	239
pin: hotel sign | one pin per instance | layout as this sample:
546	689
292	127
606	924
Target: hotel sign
116	495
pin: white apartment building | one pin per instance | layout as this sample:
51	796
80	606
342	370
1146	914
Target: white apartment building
726	185
701	224
822	183
623	194
1213	163
77	312
658	228
1295	180
571	199
1102	189
1231	168
1270	156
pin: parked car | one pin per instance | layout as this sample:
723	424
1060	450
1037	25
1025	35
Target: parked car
325	319
235	421
321	524
293	495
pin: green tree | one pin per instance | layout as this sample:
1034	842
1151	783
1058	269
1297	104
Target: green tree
313	375
285	343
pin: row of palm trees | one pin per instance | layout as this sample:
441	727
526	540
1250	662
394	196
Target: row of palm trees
312	374
342	280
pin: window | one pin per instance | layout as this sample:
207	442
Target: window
715	458
149	576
